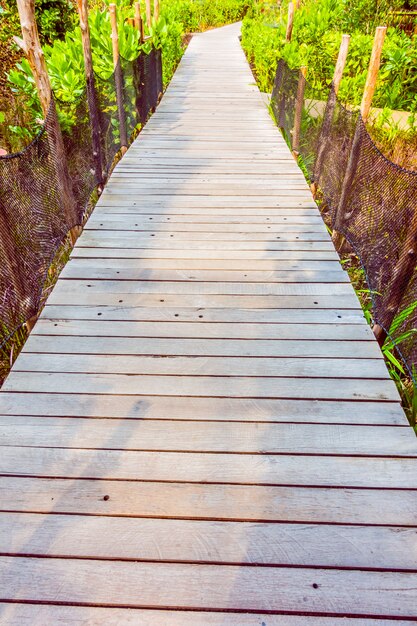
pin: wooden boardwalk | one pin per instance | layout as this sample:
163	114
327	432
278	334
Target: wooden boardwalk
201	430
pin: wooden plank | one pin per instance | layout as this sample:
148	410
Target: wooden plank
236	237
207	409
207	542
75	344
284	180
133	224
201	201
207	586
105	216
202	365
201	148
16	614
203	185
80	271
165	164
203	288
242	256
165	313
215	502
204	330
199	189
296	213
253	469
280	171
103	239
232	437
207	301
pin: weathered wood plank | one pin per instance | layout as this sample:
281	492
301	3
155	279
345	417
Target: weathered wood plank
220	181
204	366
242	256
201	201
39	615
233	437
251	267
160	313
76	344
207	542
80	271
215	502
203	288
207	586
250	469
201	409
121	239
295	214
88	297
204	330
103	216
241	234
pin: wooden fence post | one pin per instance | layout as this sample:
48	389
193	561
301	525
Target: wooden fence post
340	63
298	113
139	22
156	10
118	75
373	69
148	13
330	105
93	107
290	20
374	63
32	48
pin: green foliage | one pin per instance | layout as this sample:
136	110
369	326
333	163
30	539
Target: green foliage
198	15
64	58
367	14
391	350
54	19
317	32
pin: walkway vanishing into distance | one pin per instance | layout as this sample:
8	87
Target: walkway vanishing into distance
201	430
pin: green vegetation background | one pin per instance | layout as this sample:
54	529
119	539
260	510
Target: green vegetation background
20	111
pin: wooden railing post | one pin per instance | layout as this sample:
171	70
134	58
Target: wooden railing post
118	75
93	107
340	215
139	22
32	48
290	21
156	10
330	105
340	63
373	69
298	113
148	13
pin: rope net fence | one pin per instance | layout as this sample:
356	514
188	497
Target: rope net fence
369	200
48	188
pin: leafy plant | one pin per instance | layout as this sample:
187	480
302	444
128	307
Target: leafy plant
54	19
318	27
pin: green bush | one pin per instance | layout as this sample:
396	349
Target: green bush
317	32
64	58
55	18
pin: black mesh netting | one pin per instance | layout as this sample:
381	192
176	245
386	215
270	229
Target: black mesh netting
284	101
371	201
46	188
